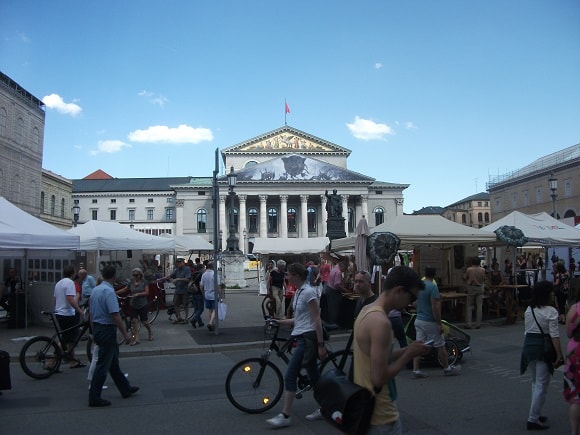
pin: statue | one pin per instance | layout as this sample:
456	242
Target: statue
333	204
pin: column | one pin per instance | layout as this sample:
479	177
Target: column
242	216
365	206
263	217
223	227
398	207
179	217
283	230
345	212
324	216
304	216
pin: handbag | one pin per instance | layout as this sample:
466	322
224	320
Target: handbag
344	404
550	354
222	311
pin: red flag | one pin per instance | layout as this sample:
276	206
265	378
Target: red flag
287	107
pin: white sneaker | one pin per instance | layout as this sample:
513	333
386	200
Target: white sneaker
418	374
452	370
104	387
316	415
279	421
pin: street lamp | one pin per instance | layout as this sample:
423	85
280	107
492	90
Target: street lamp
245	232
553	185
232	241
76	211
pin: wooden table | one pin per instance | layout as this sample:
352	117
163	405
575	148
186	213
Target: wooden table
453	297
510	297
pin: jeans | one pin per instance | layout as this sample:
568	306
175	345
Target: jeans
295	364
198	303
105	336
474	294
540	382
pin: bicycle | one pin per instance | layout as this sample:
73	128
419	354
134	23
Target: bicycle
159	302
125	312
41	356
255	385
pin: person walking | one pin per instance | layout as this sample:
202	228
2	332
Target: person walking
208	289
181	277
572	369
429	327
197	295
275	286
561	284
474	277
139	290
307	333
540	319
105	320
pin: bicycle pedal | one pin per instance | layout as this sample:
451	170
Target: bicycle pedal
299	396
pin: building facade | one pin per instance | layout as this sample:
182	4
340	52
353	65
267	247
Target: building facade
22	117
528	189
55	200
473	211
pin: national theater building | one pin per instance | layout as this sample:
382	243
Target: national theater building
282	178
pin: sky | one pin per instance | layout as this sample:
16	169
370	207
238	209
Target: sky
440	95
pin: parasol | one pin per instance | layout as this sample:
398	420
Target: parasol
382	248
511	235
360	246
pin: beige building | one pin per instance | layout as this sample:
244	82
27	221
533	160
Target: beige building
473	211
55	200
528	189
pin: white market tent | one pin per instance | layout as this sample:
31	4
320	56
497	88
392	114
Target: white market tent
540	229
416	230
189	242
280	246
99	235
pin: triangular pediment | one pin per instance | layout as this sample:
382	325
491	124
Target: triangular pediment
298	167
286	140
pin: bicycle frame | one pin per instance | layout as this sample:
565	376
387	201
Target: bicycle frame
59	332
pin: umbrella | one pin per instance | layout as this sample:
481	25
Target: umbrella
511	235
382	247
360	246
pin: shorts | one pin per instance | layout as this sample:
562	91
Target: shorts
140	313
429	331
210	304
68	322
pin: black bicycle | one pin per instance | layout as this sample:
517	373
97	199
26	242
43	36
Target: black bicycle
255	385
41	356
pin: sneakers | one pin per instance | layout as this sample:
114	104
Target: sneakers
418	374
279	421
452	370
316	415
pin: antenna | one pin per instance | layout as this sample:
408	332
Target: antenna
475	179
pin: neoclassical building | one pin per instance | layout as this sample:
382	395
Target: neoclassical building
282	178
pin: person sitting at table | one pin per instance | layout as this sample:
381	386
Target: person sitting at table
474	277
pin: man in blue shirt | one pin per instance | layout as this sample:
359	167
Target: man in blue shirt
429	327
181	277
105	319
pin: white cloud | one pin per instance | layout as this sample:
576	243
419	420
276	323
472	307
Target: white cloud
55	101
366	129
109	147
153	98
164	134
378	65
410	126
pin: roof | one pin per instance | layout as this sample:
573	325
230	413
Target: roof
311	245
482	196
431	209
99	174
127	184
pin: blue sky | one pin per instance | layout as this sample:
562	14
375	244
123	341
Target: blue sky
436	94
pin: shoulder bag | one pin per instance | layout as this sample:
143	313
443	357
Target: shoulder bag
550	354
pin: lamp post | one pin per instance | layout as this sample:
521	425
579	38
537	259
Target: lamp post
76	211
232	241
245	232
553	185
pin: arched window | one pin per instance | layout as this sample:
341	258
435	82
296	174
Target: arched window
42	202
3	122
250	163
311	219
379	215
52	205
253	220
20	130
272	220
480	217
463	219
351	220
291	220
62	208
486	218
201	220
36	139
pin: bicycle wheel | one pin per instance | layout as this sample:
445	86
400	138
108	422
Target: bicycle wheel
452	352
341	359
129	328
40	357
153	310
254	385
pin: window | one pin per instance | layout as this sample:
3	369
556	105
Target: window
168	214
42	202
202	193
201	220
149	199
514	201
150	214
131	200
479	203
253	220
379	215
291	220
3	121
250	163
567	189
480	217
526	199
52	205
486	204
132	214
94	215
463	219
170	200
20	130
486	218
272	220
311	213
351	219
62	207
94	201
113	201
538	195
113	214
378	192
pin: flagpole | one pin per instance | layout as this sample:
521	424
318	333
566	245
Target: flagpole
285	111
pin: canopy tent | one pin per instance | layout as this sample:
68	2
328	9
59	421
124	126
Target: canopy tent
21	231
414	230
99	235
189	242
312	245
540	229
